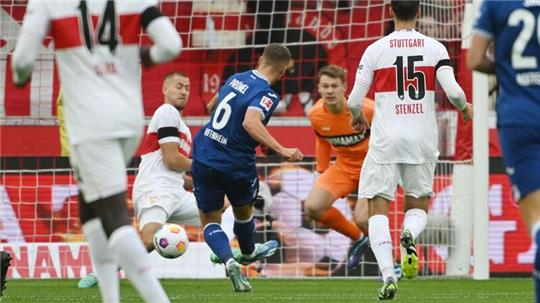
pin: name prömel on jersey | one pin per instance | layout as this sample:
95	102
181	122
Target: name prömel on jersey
239	86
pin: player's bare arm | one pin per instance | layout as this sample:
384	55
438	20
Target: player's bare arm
477	55
359	121
212	104
256	129
173	159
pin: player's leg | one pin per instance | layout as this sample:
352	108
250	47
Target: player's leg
151	217
5	262
210	196
103	261
361	217
334	183
361	213
104	184
378	183
521	155
241	193
150	221
418	186
530	212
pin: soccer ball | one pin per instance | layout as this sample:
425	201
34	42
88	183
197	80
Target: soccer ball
171	241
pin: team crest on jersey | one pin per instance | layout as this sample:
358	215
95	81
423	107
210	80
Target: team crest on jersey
266	102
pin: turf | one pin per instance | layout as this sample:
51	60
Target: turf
270	290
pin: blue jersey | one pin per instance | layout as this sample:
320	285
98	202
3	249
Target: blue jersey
514	25
223	143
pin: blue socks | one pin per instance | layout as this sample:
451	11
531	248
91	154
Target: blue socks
218	241
536	272
245	232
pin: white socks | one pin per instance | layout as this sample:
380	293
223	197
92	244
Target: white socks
381	245
415	221
133	258
103	261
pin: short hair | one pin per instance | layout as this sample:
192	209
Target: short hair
172	74
276	55
333	71
405	10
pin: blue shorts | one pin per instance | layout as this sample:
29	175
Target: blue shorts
521	154
210	187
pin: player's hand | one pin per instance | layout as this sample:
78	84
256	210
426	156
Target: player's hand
468	112
292	154
360	123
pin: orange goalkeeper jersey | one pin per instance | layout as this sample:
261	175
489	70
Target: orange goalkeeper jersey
334	132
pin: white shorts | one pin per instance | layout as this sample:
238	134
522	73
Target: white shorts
100	166
180	208
378	179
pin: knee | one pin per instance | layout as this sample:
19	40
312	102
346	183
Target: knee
243	212
148	243
147	234
311	210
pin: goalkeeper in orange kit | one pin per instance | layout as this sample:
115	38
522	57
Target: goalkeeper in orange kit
330	119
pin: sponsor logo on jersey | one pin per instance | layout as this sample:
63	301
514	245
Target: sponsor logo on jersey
266	103
347	140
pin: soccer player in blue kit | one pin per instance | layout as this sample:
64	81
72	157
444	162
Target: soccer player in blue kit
514	27
224	159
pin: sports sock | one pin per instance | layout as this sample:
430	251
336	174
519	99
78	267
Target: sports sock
218	241
535	232
415	221
134	260
334	219
103	261
381	245
245	232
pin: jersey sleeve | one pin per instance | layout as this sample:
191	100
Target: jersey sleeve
167	42
323	152
265	103
368	109
443	59
167	124
36	19
323	149
485	21
150	12
35	26
364	72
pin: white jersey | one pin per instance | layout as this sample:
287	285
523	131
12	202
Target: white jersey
165	126
401	68
97	51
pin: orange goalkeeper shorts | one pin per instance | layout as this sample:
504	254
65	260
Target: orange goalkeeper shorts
338	181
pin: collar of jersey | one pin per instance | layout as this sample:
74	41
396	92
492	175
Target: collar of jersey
405	30
258	74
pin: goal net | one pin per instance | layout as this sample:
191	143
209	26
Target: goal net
38	209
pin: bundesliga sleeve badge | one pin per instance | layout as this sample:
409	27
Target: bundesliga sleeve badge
266	103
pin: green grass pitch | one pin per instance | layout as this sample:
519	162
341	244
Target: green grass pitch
280	290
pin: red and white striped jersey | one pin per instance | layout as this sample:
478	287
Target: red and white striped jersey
153	175
97	51
401	68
